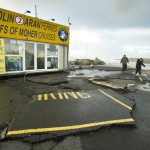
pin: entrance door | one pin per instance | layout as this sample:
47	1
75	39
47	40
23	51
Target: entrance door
29	56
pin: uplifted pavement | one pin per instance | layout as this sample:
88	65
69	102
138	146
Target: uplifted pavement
60	105
42	93
70	112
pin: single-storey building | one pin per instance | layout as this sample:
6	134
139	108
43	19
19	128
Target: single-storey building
30	45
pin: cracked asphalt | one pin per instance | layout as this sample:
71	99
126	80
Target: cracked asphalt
26	105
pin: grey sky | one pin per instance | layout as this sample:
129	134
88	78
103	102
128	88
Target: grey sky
100	28
111	13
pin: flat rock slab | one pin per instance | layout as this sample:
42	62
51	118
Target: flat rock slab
70	112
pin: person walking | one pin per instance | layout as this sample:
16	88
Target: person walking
139	65
124	61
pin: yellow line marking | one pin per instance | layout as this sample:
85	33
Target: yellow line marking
60	95
39	130
66	96
53	96
140	79
81	95
121	103
73	95
45	97
39	97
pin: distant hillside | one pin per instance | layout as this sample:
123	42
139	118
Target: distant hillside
146	60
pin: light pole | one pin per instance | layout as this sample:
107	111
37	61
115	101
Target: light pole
51	19
69	21
27	12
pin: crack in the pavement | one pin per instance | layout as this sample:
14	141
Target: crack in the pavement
52	84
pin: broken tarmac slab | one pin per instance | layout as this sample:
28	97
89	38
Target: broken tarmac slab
49	79
68	143
71	112
143	78
8	104
106	84
132	87
53	82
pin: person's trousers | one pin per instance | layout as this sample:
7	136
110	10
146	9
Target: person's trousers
138	71
124	66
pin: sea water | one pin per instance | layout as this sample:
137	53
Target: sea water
116	63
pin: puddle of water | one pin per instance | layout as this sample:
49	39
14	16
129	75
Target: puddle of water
92	73
102	74
143	87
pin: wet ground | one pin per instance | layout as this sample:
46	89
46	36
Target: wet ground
86	109
93	73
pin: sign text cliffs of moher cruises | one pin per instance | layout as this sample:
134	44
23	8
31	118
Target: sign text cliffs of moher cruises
19	26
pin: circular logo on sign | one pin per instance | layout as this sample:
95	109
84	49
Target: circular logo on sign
63	35
19	20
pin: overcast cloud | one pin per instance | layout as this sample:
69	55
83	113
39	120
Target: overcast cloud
100	28
111	13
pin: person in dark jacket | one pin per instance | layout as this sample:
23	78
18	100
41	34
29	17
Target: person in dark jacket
139	65
124	61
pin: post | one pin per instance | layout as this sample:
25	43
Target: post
35	11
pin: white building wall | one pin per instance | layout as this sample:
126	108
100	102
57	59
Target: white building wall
61	57
66	56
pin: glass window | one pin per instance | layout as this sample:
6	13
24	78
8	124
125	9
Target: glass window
40	56
29	56
13	47
13	63
52	50
52	56
52	62
13	55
